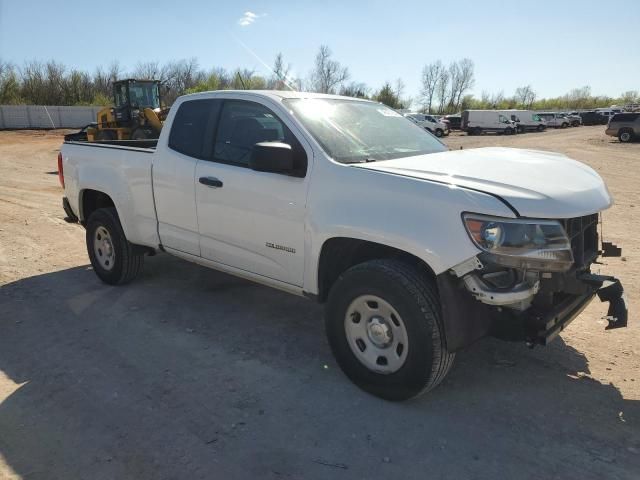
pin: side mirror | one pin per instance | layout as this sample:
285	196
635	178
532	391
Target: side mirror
272	157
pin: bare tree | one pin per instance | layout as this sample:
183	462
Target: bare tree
355	89
461	79
525	96
496	99
328	74
430	76
465	80
280	74
442	89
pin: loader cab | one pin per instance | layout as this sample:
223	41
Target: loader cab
130	96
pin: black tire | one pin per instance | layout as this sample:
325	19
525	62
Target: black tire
128	258
142	133
508	131
625	135
106	135
540	128
439	133
564	125
414	296
519	129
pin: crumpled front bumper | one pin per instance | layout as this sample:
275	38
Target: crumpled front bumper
466	319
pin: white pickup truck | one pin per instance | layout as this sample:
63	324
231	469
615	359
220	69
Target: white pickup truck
416	250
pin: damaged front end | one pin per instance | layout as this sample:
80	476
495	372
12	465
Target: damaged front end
531	279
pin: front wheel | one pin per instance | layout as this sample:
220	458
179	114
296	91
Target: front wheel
385	329
439	132
540	128
114	259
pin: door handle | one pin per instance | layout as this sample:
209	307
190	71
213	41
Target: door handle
211	182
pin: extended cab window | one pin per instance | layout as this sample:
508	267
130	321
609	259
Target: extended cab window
243	124
193	126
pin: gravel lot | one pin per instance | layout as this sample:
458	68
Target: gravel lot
190	373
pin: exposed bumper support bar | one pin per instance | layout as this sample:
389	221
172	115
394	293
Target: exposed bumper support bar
555	320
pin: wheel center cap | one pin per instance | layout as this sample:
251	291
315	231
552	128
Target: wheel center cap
379	332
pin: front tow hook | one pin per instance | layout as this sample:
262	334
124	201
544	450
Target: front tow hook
617	314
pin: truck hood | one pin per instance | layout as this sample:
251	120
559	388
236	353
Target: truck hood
534	183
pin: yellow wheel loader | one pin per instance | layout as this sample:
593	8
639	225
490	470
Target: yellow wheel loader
136	114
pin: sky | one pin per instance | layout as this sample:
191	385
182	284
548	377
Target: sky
553	46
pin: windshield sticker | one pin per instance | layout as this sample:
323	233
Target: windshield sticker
388	112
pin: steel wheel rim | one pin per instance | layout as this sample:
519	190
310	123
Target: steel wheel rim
376	334
625	136
103	248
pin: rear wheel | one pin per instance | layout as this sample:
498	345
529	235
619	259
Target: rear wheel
439	132
114	259
625	136
519	129
142	133
540	128
564	125
384	327
508	131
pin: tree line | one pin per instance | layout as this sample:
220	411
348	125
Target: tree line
444	88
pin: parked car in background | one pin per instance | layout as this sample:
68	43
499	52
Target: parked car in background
429	122
455	121
575	120
625	126
526	120
476	122
592	118
555	119
608	112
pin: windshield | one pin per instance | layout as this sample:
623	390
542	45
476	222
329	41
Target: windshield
144	94
352	131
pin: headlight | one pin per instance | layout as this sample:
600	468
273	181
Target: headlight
521	243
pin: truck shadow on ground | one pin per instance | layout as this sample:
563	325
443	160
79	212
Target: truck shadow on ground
190	373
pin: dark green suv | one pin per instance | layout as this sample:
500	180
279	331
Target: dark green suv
625	126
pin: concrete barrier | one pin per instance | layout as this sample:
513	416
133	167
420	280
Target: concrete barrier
41	116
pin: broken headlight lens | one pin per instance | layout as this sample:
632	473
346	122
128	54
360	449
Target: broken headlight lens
521	243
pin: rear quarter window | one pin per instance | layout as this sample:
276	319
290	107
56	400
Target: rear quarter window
193	126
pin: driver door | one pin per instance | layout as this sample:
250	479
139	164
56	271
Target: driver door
252	221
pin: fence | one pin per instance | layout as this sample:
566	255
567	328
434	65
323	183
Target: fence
40	116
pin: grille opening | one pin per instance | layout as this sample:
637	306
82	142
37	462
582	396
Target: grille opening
583	235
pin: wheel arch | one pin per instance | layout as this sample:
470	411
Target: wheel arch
338	254
91	200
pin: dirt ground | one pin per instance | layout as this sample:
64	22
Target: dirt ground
190	373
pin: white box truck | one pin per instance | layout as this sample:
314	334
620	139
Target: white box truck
476	122
526	120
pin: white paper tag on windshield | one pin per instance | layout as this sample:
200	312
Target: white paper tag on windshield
387	112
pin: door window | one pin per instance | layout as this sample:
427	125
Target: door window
242	125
